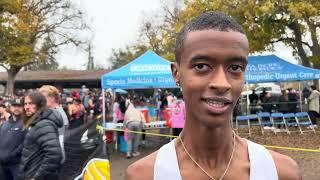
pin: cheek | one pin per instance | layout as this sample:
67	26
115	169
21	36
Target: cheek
33	108
237	87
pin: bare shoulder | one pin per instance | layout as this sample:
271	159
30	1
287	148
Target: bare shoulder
287	168
142	169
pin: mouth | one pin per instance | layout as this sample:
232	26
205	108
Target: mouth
217	105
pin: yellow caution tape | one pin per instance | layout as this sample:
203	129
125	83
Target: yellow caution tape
100	128
291	148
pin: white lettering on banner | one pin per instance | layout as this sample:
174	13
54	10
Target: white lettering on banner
149	67
116	82
139	80
165	80
306	75
264	67
149	73
286	76
259	77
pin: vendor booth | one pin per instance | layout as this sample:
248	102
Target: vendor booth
145	72
271	68
149	71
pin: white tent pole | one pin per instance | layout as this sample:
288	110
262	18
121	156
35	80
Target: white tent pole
103	107
115	134
104	141
300	97
247	98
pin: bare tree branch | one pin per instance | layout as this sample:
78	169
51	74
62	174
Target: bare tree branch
4	66
289	40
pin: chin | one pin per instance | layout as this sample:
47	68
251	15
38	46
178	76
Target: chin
215	122
29	115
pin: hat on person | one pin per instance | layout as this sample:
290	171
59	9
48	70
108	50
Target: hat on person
17	102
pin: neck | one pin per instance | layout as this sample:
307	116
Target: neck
53	105
210	146
15	118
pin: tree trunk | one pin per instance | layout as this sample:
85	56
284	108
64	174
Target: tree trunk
315	43
12	72
298	42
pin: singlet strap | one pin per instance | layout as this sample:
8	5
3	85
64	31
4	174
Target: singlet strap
166	165
262	166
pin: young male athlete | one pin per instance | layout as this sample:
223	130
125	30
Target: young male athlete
211	57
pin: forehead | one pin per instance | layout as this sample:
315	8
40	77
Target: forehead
27	99
215	44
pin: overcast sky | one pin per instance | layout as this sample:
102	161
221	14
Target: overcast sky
114	24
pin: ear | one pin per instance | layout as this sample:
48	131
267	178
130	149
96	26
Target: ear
175	71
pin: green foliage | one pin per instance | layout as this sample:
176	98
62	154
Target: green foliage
158	37
32	30
265	21
27	26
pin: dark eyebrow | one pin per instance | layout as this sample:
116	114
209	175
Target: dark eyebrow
197	58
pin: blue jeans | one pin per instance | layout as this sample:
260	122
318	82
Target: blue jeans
134	138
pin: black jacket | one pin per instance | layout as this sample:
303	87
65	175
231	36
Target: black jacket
11	141
41	155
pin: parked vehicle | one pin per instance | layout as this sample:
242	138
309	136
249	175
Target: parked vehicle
274	89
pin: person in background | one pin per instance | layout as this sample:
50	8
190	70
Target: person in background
253	98
76	113
268	103
42	153
293	100
263	94
134	121
4	114
157	98
283	102
170	98
52	96
306	92
12	136
163	106
118	116
75	95
85	100
314	104
178	115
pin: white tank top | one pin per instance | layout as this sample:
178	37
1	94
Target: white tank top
262	166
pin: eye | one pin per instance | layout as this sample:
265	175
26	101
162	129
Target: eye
201	67
236	68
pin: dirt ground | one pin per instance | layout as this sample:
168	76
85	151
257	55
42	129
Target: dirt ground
309	162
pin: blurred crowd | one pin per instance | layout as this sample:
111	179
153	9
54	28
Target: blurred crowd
32	128
288	102
33	125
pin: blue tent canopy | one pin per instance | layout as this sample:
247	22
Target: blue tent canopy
147	71
274	69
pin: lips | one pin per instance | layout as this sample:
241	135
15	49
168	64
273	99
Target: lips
217	105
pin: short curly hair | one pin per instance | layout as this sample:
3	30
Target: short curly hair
206	21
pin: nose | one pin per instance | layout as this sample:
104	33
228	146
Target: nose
219	80
26	106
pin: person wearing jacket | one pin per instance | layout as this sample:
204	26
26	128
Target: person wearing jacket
314	104
134	121
42	153
11	143
52	96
